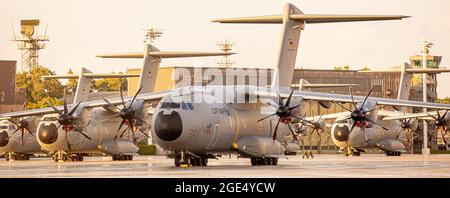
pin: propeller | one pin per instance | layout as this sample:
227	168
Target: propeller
67	120
316	127
359	115
23	127
128	116
284	113
440	121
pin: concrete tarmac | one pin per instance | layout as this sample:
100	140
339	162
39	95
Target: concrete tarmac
325	165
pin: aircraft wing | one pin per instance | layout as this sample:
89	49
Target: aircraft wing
332	116
87	104
308	95
421	116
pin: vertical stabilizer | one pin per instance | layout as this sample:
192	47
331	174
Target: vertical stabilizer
405	83
83	86
149	72
290	37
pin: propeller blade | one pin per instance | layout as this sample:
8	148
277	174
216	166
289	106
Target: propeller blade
135	95
294	107
375	123
14	132
29	131
432	115
53	107
109	103
84	134
75	108
375	109
365	99
363	129
289	99
446	111
266	117
351	94
409	121
274	137
65	101
292	132
353	126
121	97
342	106
438	114
21	131
67	140
143	132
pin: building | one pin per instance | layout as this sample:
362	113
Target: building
11	97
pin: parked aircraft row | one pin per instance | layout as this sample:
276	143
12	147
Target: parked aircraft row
192	132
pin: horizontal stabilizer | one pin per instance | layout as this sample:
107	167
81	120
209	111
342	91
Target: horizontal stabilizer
90	75
416	71
324	85
165	54
310	18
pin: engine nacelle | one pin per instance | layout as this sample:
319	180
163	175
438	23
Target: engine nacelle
119	147
391	145
259	146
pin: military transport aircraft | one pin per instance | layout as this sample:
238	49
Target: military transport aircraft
24	145
70	132
194	123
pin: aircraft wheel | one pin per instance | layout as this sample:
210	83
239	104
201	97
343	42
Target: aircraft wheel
114	158
131	157
177	162
7	158
275	161
254	161
204	161
356	153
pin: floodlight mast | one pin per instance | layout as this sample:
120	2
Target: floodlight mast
426	44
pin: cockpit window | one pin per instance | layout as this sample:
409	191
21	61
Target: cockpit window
3	127
170	105
187	106
50	118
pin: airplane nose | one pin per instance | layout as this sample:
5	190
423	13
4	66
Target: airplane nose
48	134
168	127
341	133
4	138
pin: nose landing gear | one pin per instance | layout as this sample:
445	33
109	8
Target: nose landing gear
121	157
184	159
263	161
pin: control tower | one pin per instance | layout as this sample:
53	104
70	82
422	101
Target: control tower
432	62
29	43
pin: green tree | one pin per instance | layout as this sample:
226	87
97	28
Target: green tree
445	100
342	68
366	68
39	90
71	84
110	84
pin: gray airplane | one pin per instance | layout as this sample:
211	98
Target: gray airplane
110	126
194	131
18	134
395	131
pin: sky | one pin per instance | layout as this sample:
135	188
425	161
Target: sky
81	29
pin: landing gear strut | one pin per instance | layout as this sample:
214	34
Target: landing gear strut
121	157
184	159
262	161
351	152
10	156
393	153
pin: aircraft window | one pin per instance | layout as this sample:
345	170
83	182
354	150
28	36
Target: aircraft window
184	106
3	127
170	105
191	107
12	127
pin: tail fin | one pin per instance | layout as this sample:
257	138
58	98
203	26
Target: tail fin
405	83
83	86
151	60
293	21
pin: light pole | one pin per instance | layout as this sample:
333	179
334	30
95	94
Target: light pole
425	50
